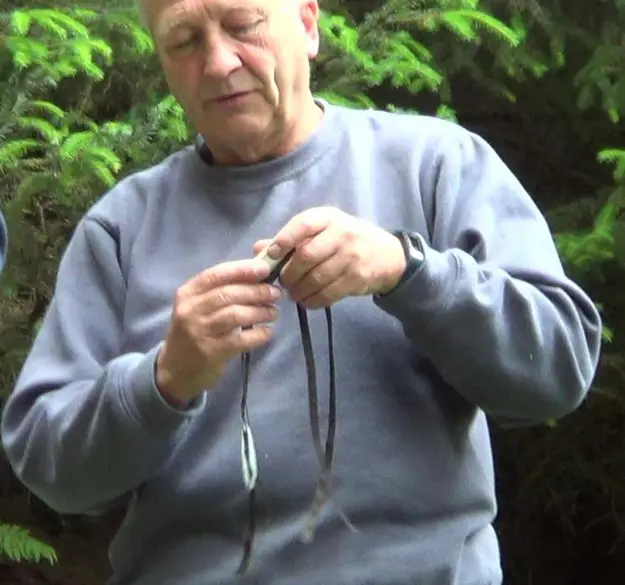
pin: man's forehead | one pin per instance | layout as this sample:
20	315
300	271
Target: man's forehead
176	9
168	14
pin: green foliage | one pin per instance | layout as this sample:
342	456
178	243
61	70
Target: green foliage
586	250
383	49
18	545
54	156
83	103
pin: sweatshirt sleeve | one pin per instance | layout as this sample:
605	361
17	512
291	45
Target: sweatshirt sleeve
491	307
85	424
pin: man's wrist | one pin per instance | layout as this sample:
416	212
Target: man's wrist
163	382
414	256
175	402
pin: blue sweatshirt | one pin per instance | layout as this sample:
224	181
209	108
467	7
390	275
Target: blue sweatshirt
488	326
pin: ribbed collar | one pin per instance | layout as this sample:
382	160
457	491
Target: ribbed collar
261	176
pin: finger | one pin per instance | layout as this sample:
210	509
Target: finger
191	309
250	271
301	227
334	292
238	294
242	340
319	278
233	317
260	245
310	255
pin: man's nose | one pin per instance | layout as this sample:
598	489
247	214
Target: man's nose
221	60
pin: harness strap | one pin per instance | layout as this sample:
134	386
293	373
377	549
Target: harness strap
325	455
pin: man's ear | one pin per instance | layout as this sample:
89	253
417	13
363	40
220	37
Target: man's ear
309	11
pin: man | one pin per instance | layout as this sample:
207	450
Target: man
131	392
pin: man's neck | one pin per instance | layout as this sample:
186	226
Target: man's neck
287	140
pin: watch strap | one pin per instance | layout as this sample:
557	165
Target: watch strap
413	252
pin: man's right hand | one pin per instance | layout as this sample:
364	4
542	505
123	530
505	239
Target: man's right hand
218	314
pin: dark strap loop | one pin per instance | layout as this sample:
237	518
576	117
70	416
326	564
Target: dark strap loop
325	456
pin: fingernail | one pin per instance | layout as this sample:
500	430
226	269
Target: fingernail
274	251
276	293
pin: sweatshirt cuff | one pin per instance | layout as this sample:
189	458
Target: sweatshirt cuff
427	293
146	404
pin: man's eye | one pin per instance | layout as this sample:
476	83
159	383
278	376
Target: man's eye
244	28
184	44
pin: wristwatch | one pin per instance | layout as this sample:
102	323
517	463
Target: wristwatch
414	252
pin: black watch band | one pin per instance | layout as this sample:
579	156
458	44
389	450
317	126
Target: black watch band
414	253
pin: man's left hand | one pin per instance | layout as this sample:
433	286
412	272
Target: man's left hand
337	255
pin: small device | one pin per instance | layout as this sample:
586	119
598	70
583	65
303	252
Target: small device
275	266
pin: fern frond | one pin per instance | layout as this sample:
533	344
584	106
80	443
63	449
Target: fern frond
26	51
460	25
74	143
142	41
106	156
70	23
58	22
48	107
14	150
616	156
19	545
488	22
43	127
104	175
85	14
20	22
45	18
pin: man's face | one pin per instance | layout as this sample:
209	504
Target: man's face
239	68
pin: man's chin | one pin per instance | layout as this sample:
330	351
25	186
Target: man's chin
246	139
248	118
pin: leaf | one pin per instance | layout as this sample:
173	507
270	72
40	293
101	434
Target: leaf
607	334
16	149
104	175
93	71
26	51
49	107
74	143
19	545
120	129
43	127
106	155
102	47
490	23
143	42
70	23
20	22
85	14
460	25
614	155
45	19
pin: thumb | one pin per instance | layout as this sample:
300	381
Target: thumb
260	245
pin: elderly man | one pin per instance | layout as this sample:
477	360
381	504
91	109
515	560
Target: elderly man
446	299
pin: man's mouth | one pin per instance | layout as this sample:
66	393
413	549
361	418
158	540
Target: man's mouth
231	97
